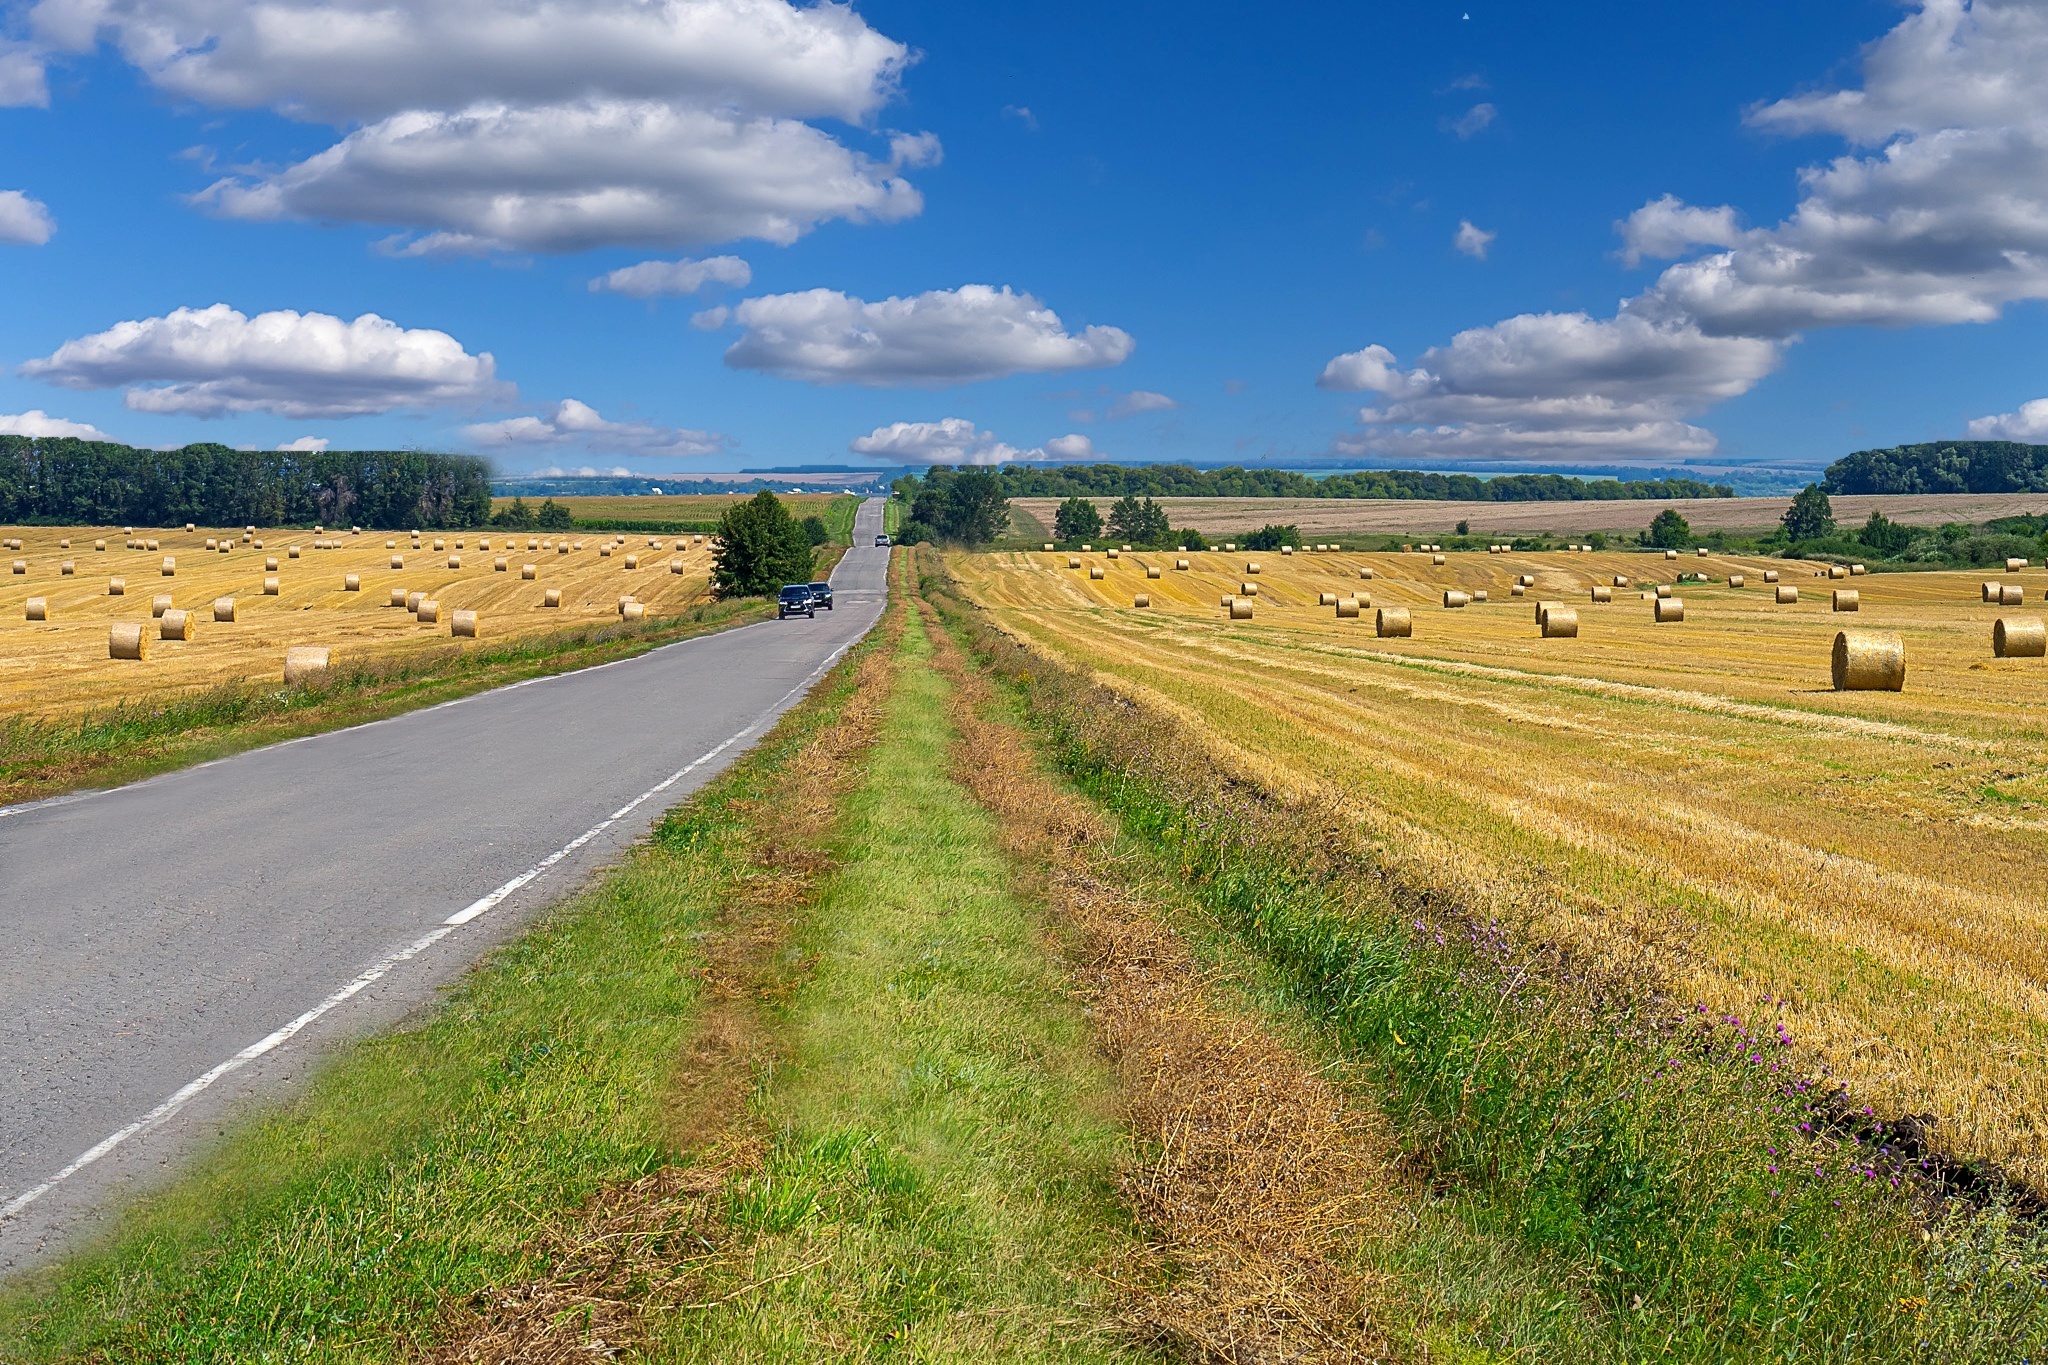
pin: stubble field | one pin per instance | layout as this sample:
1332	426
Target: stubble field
61	664
1689	799
705	507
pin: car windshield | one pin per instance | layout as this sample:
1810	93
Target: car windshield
796	590
821	587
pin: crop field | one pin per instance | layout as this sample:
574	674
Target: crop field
689	507
1390	516
1687	799
61	663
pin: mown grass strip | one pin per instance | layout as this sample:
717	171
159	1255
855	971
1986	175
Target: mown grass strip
938	1181
420	1167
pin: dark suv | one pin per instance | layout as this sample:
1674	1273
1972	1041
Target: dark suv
821	593
796	600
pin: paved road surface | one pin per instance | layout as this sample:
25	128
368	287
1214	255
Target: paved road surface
178	944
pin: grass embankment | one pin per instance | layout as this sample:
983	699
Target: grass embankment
1598	1174
117	744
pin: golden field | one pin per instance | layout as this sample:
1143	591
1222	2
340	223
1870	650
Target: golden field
61	664
1686	799
687	507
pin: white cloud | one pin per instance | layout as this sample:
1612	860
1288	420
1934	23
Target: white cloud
24	221
22	83
2029	423
947	336
1939	217
1473	121
1072	447
306	443
36	422
579	424
951	440
209	362
651	279
571	177
1140	401
1471	240
1022	113
587	471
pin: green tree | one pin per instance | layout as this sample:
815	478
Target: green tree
1190	537
1140	523
960	507
1668	531
1810	516
760	547
517	515
1271	537
553	517
1076	519
1464	528
1884	535
814	530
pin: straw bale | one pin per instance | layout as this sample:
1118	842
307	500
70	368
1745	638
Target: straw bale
1663	590
1241	610
463	625
1227	600
551	598
439	545
1180	565
1837	571
1141	600
159	604
1560	623
21	566
529	572
1527	580
1869	661
1436	559
38	609
1230	546
255	544
2019	637
632	561
209	542
175	625
562	547
1846	599
99	545
1326	599
170	566
1048	547
429	611
458	543
127	640
117	587
1770	575
1516	590
303	663
533	543
292	553
1703	552
1736	580
1670	609
67	568
483	543
1391	621
1479	595
352	583
270	564
151	546
1248	590
1545	605
1073	561
1151	571
1603	594
223	608
1087	549
1347	608
1252	567
1621	580
1127	548
1787	594
1286	549
413	600
1095	572
498	564
1112	554
2015	565
2012	595
226	545
1365	574
397	597
1857	571
1180	549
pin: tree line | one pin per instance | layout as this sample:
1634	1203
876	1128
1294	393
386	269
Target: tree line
69	482
1942	467
1185	481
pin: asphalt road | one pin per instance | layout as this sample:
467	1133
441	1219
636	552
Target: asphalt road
178	945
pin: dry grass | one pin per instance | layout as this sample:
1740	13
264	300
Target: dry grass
60	665
1327	517
1253	1175
683	507
1685	796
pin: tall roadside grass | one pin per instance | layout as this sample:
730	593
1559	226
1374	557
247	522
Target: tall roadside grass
40	757
1691	1187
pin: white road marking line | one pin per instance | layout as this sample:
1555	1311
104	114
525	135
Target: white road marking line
170	1107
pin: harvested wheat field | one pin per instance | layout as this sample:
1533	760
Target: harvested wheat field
696	507
1688	794
61	662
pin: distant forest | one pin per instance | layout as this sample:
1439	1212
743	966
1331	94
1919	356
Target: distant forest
1183	481
99	483
1942	467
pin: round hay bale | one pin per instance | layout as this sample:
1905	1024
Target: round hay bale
1527	580
1869	661
65	543
2019	637
1837	571
1670	609
170	566
532	543
99	545
1668	554
1857	571
1603	594
1227	600
1389	622
1787	594
292	552
1545	605
117	587
1846	599
1736	580
463	625
159	604
1247	590
1286	549
1180	549
1095	573
1560	623
1230	547
305	663
390	544
1365	574
226	545
1516	590
562	547
352	583
38	609
67	568
1347	608
21	565
1048	547
633	611
1073	561
429	611
1663	590
2012	595
1141	600
190	527
498	565
1479	595
413	600
397	597
528	572
1326	599
270	564
398	561
1241	610
1180	565
604	552
1436	559
127	640
1087	548
175	625
439	545
551	598
223	608
2015	565
1151	571
210	543
1252	567
458	544
632	561
1703	552
1621	580
1770	575
484	543
270	587
1112	554
454	561
653	542
255	544
151	546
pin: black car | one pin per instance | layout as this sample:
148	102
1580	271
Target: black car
821	593
796	600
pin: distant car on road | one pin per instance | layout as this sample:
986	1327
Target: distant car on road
795	600
881	540
821	594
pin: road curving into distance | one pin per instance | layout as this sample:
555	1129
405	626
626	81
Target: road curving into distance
190	940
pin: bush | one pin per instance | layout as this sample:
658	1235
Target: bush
1668	531
964	507
760	547
554	517
1271	537
814	530
1810	516
1076	519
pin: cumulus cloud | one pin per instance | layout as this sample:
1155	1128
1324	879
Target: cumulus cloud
22	83
1473	121
652	279
956	441
579	424
1471	240
2029	423
24	221
36	422
209	362
947	336
1938	215
1071	447
1139	401
307	443
492	125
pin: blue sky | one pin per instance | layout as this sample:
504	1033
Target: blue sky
1378	232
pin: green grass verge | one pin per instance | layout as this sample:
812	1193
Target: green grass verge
839	515
419	1165
943	1144
120	744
